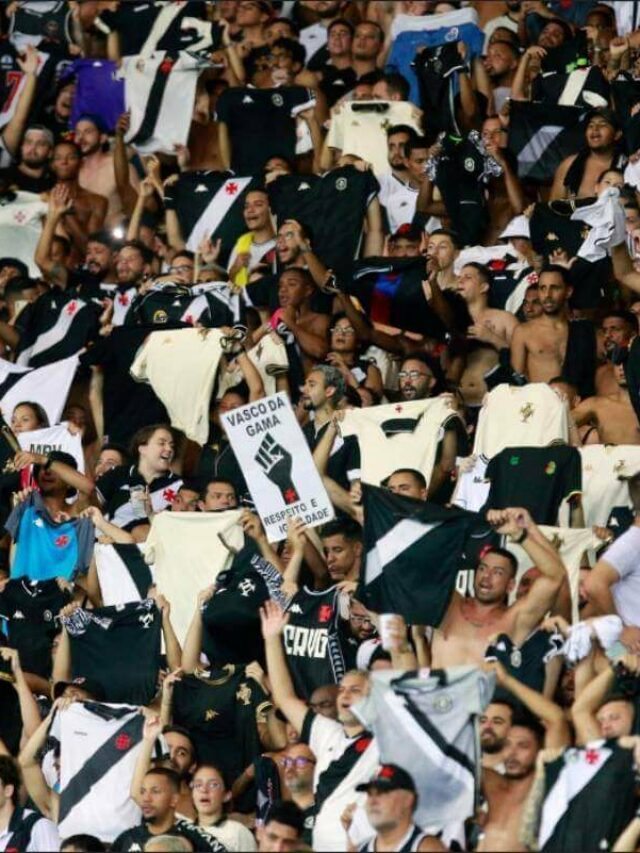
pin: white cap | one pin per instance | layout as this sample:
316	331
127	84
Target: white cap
518	227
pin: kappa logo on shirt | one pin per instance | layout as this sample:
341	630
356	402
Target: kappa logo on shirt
247	99
18	615
295	608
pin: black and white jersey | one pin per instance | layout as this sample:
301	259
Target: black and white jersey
210	204
173	303
409	844
222	710
261	123
136	838
150	25
114	489
123	573
35	21
312	641
102	642
99	745
55	326
29	619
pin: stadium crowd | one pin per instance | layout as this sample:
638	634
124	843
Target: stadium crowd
320	425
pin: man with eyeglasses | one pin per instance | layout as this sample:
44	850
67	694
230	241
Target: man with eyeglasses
299	767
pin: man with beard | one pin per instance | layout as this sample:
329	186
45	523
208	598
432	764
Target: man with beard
97	170
159	794
314	37
342	545
617	329
299	767
323	394
32	173
470	623
501	62
397	194
419	377
82	212
540	347
294	249
495	723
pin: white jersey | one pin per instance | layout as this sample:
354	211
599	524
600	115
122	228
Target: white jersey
193	541
269	357
359	128
623	556
99	745
399	200
472	487
20	222
602	491
399	435
571	544
160	92
529	416
53	438
181	367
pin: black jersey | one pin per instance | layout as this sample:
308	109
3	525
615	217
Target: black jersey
336	83
552	474
231	617
344	459
261	123
218	460
437	70
312	640
537	478
106	641
222	712
391	292
10	718
526	662
29	613
175	304
114	488
460	176
334	206
136	838
128	405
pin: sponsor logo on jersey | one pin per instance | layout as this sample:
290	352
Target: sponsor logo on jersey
305	642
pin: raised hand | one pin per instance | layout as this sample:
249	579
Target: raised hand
272	620
276	462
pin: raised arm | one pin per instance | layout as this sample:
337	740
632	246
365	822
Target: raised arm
519	527
66	473
12	133
586	705
45	799
193	641
598	584
273	622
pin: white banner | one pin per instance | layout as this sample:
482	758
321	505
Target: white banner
277	464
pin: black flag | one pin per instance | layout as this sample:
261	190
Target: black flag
413	551
542	135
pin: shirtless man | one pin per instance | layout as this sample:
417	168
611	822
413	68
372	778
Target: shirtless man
539	346
309	328
97	172
612	414
85	211
464	633
602	135
617	329
473	285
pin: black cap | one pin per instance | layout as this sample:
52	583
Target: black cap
94	688
389	777
605	114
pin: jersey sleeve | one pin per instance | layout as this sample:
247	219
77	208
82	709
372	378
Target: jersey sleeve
573	484
622	555
108	484
300	99
12	524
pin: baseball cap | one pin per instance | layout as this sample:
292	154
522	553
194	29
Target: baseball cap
92	687
605	114
22	268
389	777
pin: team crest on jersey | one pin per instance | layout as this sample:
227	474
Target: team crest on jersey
122	742
341	184
442	704
550	468
325	612
453	34
61	541
619	466
469	164
526	412
243	693
47	616
557	541
210	714
246	587
160	316
277	100
146	620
